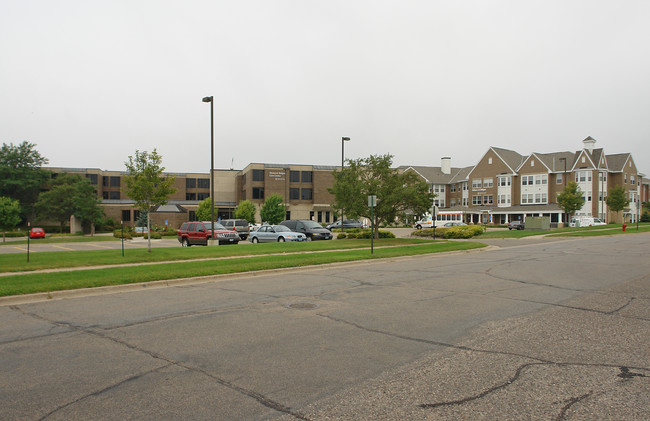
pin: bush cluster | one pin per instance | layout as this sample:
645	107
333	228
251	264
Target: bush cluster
118	234
360	233
463	231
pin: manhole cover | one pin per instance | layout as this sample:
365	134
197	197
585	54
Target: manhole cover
302	306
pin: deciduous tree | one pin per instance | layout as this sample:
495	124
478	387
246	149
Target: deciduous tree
617	200
246	210
571	199
146	184
203	212
272	210
397	193
9	214
21	176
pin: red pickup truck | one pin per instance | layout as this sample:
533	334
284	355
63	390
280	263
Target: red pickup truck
198	233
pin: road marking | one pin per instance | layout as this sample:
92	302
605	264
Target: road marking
61	247
19	248
99	246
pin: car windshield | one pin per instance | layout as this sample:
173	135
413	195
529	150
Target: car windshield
217	226
281	228
312	224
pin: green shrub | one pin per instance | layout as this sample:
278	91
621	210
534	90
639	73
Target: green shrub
361	233
463	231
156	236
170	233
341	235
645	217
118	234
15	234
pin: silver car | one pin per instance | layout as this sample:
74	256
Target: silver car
272	233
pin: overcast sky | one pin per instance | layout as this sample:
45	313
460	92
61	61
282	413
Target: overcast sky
91	81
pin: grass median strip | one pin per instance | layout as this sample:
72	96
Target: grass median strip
56	281
54	260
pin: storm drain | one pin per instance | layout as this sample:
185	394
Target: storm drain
302	306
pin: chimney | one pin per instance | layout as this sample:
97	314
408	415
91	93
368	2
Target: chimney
445	165
589	144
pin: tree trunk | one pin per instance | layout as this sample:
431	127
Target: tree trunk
148	233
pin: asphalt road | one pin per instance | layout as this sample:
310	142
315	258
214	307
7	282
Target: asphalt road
532	330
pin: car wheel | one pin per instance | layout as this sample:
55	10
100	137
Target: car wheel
280	239
418	227
185	243
509	229
255	240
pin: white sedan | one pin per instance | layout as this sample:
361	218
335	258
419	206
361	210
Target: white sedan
273	233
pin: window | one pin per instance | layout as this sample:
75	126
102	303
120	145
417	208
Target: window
92	178
489	161
203	183
202	196
527	180
487	200
327	216
476	200
136	214
258	175
294	176
465	186
126	215
588	196
476	183
320	216
452	203
558	179
115	181
452	188
532	163
306	176
488	182
105	195
190	183
258	192
527	198
105	181
632	179
625	178
305	194
114	195
190	196
294	194
464	201
504	181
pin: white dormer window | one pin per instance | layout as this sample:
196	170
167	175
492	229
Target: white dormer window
490	161
532	163
583	159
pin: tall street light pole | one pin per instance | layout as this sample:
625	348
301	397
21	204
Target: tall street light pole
566	217
211	101
343	140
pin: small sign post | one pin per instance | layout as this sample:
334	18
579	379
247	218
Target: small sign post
372	202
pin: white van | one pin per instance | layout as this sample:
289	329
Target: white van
585	222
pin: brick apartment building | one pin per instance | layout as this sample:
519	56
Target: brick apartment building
503	186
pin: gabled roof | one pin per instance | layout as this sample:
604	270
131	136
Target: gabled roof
616	162
511	158
432	175
461	175
578	162
554	161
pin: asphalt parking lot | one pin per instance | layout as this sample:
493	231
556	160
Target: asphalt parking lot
537	330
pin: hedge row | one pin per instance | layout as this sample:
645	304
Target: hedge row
463	231
359	233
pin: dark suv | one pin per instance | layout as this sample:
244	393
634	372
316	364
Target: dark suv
312	229
198	233
239	225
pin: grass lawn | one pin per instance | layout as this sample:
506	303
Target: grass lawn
291	257
610	229
69	259
62	239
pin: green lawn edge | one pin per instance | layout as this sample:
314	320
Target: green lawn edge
106	276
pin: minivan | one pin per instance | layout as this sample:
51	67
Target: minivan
312	229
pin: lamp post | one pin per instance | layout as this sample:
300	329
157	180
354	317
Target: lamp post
566	218
639	202
211	101
343	140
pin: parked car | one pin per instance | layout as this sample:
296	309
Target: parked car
347	223
279	233
37	233
454	224
143	230
312	229
239	225
198	233
516	225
